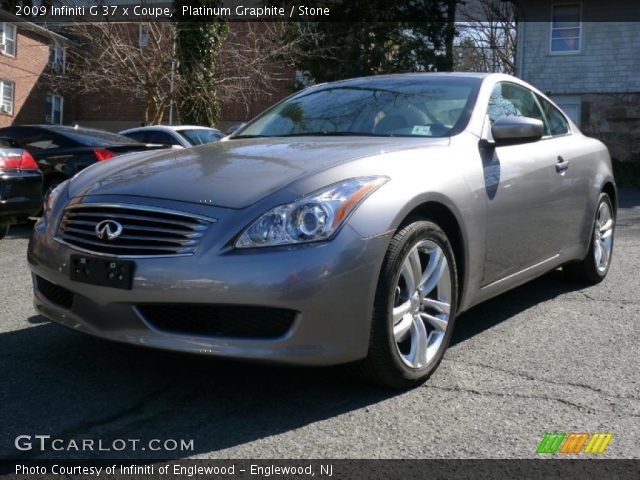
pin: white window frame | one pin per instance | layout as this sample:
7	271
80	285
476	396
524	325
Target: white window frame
580	29
51	113
13	96
143	33
59	56
3	38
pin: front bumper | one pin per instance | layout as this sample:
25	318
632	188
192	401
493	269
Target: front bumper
20	193
330	285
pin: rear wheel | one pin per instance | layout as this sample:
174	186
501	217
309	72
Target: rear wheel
4	229
595	266
414	309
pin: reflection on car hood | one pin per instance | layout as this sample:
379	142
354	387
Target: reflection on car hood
234	173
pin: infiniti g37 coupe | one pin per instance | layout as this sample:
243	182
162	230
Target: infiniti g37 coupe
350	223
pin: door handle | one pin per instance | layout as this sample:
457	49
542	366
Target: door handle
562	165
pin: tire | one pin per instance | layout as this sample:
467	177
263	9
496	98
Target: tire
4	229
394	358
593	268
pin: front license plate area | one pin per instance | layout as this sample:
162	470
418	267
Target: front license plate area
102	271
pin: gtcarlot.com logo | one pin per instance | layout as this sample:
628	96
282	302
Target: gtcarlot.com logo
574	443
44	443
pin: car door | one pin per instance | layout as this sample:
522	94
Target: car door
571	187
521	182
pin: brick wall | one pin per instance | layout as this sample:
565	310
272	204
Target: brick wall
615	120
25	70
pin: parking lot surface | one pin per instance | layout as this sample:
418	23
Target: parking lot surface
549	356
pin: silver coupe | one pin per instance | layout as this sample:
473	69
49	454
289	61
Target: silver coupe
350	223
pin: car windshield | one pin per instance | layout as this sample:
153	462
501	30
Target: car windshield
415	106
200	136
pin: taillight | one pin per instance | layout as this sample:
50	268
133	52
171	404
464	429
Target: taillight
103	154
18	159
28	163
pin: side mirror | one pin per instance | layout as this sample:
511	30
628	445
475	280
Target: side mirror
513	130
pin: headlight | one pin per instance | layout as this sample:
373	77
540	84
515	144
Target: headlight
315	217
52	196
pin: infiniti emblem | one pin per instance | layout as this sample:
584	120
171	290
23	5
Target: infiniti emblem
109	229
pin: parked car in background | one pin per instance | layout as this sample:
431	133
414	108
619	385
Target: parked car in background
352	222
20	185
176	136
63	151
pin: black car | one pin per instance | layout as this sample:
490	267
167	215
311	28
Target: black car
20	185
62	151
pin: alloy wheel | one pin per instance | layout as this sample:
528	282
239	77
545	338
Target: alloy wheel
422	304
603	237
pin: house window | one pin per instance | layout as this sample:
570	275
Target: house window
8	38
566	28
57	56
143	35
55	104
6	96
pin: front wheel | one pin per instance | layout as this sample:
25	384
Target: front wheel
414	308
595	266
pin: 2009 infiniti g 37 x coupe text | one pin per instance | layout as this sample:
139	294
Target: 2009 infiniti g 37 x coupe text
351	222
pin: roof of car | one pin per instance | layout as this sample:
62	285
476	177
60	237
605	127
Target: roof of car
405	77
76	132
168	128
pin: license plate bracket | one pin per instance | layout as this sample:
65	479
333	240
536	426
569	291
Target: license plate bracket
105	272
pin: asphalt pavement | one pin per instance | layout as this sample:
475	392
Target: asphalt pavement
549	356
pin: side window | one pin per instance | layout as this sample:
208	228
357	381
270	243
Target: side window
558	124
509	99
161	137
137	136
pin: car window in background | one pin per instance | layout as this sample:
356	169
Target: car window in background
200	136
44	140
94	138
509	99
416	107
137	136
558	124
158	136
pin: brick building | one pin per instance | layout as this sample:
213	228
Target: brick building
27	52
589	64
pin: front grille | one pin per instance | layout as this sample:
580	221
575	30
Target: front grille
219	320
55	294
146	231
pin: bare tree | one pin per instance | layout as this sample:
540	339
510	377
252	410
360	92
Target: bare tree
487	36
255	57
111	57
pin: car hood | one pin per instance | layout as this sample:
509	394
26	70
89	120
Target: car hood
234	173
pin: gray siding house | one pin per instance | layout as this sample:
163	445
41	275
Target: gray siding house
586	57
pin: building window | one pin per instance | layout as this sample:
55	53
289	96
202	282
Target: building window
8	38
55	104
566	28
6	96
57	57
143	35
